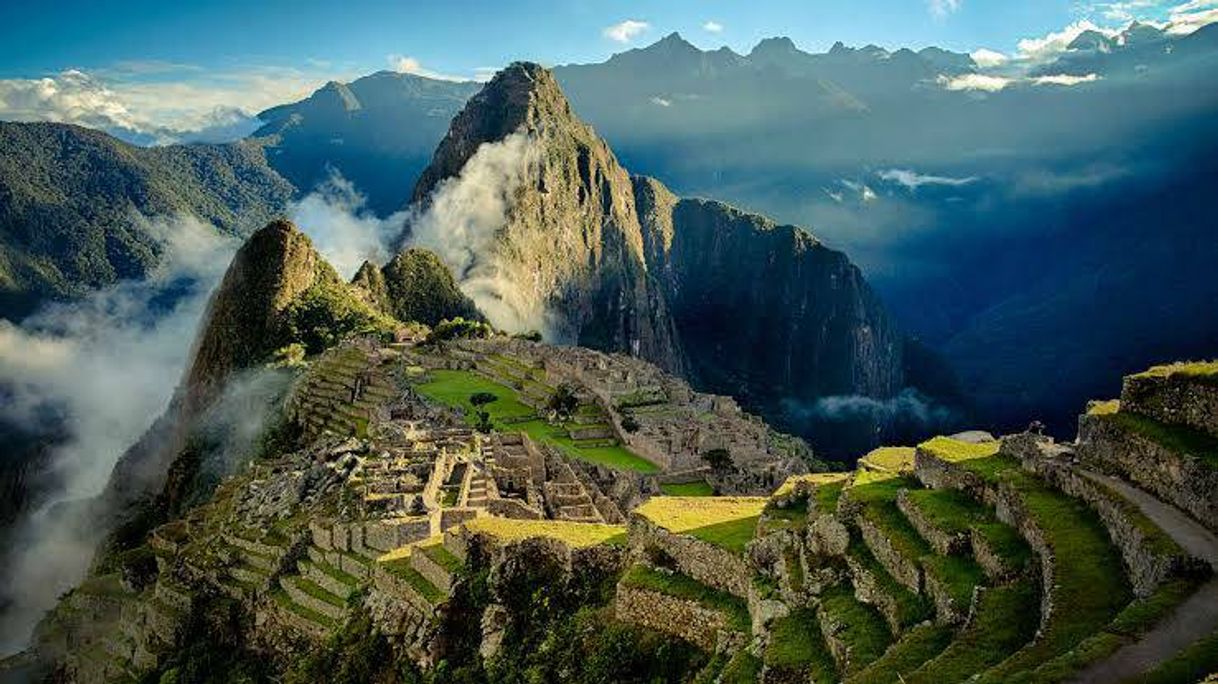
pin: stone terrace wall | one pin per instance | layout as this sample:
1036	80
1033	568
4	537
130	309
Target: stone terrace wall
1146	564
1181	479
681	618
1176	399
704	562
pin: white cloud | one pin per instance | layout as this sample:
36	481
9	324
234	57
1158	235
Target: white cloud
625	31
986	58
981	82
661	102
1190	16
410	65
941	9
914	180
713	27
1050	46
156	103
461	220
342	230
128	341
1065	79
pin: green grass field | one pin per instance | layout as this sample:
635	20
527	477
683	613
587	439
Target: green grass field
509	414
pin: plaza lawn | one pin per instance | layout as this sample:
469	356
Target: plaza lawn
728	522
509	414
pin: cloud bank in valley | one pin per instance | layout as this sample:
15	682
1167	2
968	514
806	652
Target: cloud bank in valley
129	341
460	222
342	229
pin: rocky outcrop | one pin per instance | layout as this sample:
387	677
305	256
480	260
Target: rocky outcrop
696	287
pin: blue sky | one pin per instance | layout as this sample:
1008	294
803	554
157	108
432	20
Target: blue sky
169	65
459	36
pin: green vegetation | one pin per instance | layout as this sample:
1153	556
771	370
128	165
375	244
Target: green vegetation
574	534
1004	622
1178	438
1135	620
890	459
956	574
796	644
675	584
918	646
954	450
419	287
400	568
1195	369
826	496
743	668
728	522
1190	665
699	488
438	553
507	413
1103	408
1088	576
459	329
284	601
861	627
911	608
312	589
329	312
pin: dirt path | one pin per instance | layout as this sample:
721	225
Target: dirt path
1195	618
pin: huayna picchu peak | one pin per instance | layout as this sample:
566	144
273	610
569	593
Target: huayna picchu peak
617	262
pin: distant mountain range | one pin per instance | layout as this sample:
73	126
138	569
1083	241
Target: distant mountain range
971	203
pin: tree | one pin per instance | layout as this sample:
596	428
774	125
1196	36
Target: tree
479	399
563	402
630	424
484	423
719	460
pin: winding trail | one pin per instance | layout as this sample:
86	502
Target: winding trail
1193	619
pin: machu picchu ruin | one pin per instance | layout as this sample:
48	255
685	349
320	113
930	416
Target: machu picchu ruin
598	493
437	488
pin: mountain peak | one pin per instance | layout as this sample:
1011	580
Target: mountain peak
778	45
522	95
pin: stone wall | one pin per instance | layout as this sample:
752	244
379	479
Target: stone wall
704	562
1149	561
513	508
943	542
1182	479
681	618
905	570
1175	399
868	590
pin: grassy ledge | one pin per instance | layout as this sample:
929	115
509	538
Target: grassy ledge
680	586
796	644
728	522
1002	625
917	647
862	628
579	535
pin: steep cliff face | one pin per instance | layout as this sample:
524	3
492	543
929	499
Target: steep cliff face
570	238
732	301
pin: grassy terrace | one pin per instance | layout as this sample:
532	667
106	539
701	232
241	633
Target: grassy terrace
1178	438
441	556
911	607
312	589
728	522
400	568
1194	369
687	489
1004	622
1089	581
861	627
890	459
796	644
680	586
918	646
284	601
1137	619
826	496
509	414
343	577
955	513
1190	665
573	534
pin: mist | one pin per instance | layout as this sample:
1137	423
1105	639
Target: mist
104	367
461	221
343	230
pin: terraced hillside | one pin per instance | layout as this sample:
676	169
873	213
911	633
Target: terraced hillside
461	555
